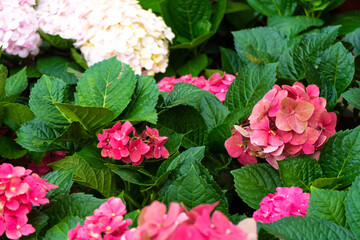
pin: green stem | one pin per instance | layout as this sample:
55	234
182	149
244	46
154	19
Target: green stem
131	201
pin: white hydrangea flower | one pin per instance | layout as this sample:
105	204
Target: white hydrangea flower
18	28
107	28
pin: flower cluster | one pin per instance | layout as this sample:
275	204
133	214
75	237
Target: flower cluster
155	223
215	84
107	28
18	28
49	157
18	191
117	144
285	202
288	121
107	222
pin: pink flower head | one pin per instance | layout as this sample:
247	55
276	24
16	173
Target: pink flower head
16	227
284	202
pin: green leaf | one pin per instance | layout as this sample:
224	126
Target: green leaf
299	171
231	63
134	217
3	76
57	67
38	220
154	5
340	156
91	118
16	114
327	183
194	43
192	190
206	103
337	67
185	120
274	7
297	228
183	15
78	58
143	102
75	133
353	208
46	92
63	179
36	156
57	41
132	176
254	182
10	149
100	180
194	66
217	137
263	41
328	205
354	39
60	230
352	96
76	204
291	26
252	83
108	84
16	83
349	21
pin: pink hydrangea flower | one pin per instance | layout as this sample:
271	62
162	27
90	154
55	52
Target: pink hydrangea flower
287	121
216	84
107	222
122	142
19	190
284	202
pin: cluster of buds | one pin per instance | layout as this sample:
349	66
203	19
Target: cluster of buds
107	222
216	84
18	191
288	121
285	202
117	143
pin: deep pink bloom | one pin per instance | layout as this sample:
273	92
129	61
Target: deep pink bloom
16	227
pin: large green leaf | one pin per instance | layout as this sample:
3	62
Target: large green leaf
352	96
349	21
337	67
60	230
154	5
63	179
185	120
231	62
207	104
109	84
10	149
192	190
3	76
57	41
291	26
254	182
16	83
300	228
340	156
76	204
274	7
328	205
92	155
263	43
252	83
44	94
194	66
299	171
183	16
16	114
38	137
100	180
353	208
91	118
75	133
58	67
143	102
354	39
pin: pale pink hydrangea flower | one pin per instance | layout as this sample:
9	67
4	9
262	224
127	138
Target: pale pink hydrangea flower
285	202
19	190
18	28
216	84
116	143
287	121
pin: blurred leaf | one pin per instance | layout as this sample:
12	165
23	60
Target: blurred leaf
10	149
274	7
16	83
354	39
352	96
16	114
57	41
194	66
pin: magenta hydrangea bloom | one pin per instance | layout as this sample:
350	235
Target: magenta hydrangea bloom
122	142
285	202
19	190
287	121
216	84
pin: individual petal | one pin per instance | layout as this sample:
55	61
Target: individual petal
303	110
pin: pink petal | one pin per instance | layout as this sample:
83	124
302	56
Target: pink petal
308	148
304	110
233	145
259	137
281	121
297	125
313	90
246	159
